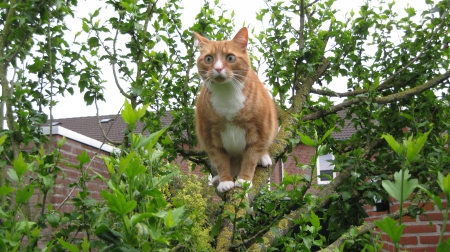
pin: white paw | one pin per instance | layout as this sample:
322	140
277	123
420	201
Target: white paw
241	182
265	161
225	186
215	180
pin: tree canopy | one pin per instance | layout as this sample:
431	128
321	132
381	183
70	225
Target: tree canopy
395	65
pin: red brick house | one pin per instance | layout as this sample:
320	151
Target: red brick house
84	133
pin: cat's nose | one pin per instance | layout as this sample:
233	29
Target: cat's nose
218	69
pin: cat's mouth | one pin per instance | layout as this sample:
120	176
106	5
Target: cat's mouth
220	79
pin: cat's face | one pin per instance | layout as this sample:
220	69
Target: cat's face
223	61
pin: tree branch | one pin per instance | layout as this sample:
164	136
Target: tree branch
381	100
101	127
389	82
363	229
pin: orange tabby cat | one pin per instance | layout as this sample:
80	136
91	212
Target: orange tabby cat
236	119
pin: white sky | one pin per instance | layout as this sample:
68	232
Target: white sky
74	106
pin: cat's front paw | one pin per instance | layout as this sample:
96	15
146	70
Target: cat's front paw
265	160
241	182
215	181
225	186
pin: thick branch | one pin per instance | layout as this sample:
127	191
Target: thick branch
369	226
363	229
287	223
382	100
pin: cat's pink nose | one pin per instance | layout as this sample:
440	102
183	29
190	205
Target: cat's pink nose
218	69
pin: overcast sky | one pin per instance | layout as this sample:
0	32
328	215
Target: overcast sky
74	106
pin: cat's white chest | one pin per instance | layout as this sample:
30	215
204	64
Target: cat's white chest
233	139
227	99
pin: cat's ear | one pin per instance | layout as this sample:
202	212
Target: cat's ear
241	38
199	40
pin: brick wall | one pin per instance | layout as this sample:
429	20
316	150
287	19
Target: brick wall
420	234
70	151
62	192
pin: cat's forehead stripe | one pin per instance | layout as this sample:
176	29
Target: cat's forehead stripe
221	47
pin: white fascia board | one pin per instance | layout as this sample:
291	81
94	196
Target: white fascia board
59	130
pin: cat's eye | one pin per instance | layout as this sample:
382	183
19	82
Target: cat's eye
209	59
231	58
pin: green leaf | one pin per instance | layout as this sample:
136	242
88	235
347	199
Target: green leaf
173	217
85	245
130	115
436	199
37	65
85	27
109	165
327	134
389	226
117	202
83	158
53	219
68	246
5	190
93	42
24	195
414	146
135	168
13	175
151	140
109	235
157	197
124	162
135	219
61	142
307	140
395	188
315	221
444	246
2	139
397	147
20	166
444	184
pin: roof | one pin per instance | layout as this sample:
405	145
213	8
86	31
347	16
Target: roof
113	125
347	131
59	130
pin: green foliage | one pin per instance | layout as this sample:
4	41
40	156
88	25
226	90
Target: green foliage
389	226
402	187
392	85
136	214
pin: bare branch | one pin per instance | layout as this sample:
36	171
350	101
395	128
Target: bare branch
101	127
301	40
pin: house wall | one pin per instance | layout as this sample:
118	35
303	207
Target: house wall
420	234
62	192
70	151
